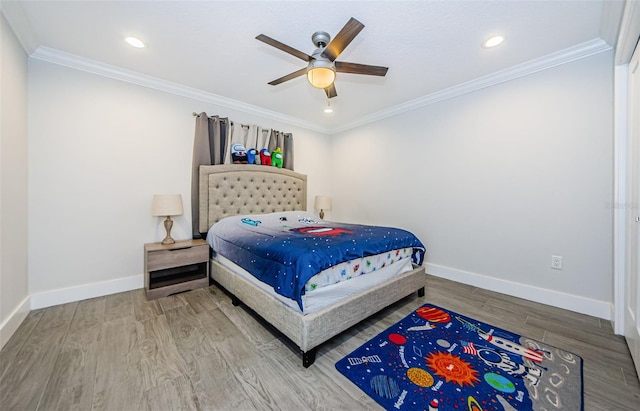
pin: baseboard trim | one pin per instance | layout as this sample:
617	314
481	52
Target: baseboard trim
13	321
82	292
588	306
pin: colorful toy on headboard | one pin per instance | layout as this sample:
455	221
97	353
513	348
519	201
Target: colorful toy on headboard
252	153
276	158
265	157
238	154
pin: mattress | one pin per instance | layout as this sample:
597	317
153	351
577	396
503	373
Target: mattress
354	268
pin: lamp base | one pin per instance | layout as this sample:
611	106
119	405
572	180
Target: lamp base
321	214
168	223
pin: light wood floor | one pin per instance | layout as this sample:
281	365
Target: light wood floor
195	351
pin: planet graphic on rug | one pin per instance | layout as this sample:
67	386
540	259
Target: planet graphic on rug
420	377
397	339
473	404
499	382
443	343
384	386
433	314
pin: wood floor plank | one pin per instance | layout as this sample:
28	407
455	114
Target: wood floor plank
159	357
10	351
144	309
172	301
118	380
264	382
118	305
72	382
215	385
175	394
593	335
311	384
25	379
201	300
125	395
86	324
253	328
189	334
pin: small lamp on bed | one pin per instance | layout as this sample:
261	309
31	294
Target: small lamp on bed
167	205
322	203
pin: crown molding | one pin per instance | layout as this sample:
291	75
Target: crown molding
551	60
12	11
629	32
118	73
612	11
533	66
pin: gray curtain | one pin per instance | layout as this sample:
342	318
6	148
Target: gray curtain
285	142
211	142
212	145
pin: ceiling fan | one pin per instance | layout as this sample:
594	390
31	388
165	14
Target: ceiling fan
322	67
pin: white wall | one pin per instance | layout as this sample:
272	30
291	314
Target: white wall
99	149
496	181
14	296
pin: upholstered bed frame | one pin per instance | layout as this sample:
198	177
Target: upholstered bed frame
236	189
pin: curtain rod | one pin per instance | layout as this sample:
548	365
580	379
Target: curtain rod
194	114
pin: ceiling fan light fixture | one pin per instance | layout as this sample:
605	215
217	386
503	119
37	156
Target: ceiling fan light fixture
321	73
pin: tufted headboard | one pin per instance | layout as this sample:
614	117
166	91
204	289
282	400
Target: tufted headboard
236	189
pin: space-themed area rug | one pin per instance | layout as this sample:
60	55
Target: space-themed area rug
436	359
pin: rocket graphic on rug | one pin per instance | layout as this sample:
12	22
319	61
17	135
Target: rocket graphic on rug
504	344
528	353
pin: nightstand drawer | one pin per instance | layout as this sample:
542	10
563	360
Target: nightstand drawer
162	259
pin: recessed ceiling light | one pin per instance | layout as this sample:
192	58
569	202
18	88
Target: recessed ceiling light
135	42
493	41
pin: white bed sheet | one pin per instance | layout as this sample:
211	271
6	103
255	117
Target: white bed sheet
329	294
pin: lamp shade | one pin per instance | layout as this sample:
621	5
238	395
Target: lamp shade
323	203
166	205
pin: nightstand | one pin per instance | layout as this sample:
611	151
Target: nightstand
172	268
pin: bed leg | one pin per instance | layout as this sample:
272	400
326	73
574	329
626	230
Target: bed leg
308	357
421	292
235	301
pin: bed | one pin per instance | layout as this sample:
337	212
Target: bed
238	190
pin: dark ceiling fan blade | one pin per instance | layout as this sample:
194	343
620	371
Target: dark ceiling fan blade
355	68
289	76
331	91
342	39
284	47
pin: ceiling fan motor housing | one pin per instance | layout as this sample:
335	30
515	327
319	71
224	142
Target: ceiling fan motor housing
321	39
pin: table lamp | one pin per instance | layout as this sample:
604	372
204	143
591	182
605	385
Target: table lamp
322	203
167	205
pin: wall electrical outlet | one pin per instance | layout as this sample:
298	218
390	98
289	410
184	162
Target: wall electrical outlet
556	262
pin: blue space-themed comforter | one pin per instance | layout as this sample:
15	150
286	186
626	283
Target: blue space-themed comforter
286	249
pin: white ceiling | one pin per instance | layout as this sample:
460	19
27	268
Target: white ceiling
432	47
